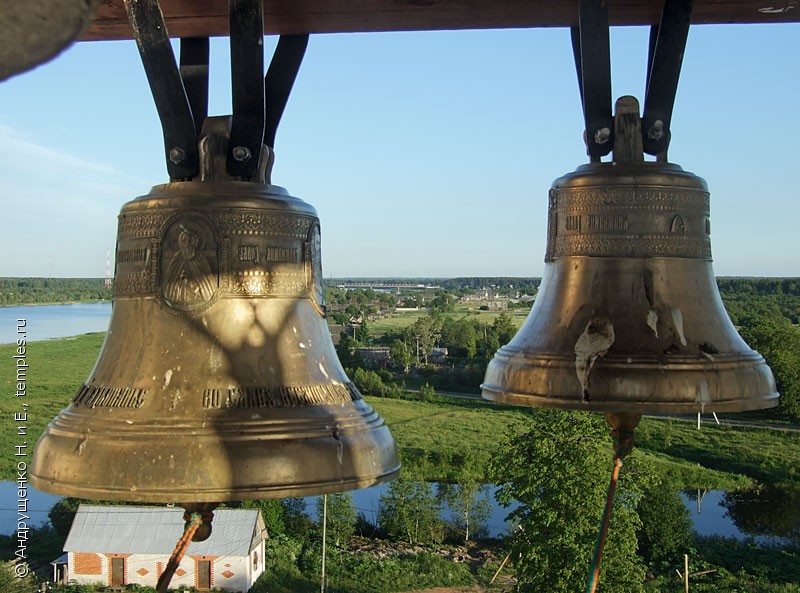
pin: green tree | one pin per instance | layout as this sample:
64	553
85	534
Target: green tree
362	333
558	473
427	392
400	354
345	349
468	503
443	303
62	513
369	382
425	333
461	337
489	344
298	523
341	517
666	530
11	583
504	328
408	511
778	341
272	511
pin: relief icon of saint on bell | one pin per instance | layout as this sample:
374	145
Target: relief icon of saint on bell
188	278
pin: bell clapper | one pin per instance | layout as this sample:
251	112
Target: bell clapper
198	517
622	432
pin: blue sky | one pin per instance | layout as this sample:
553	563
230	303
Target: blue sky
425	154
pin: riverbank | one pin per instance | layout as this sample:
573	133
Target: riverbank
56	303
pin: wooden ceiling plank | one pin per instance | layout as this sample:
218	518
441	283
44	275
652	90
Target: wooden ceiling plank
203	18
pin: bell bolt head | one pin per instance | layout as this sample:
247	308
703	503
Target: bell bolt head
241	153
602	135
656	131
177	155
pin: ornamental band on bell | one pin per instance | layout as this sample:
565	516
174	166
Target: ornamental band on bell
189	261
629	223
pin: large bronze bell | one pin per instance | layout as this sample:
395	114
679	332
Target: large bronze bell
629	319
218	379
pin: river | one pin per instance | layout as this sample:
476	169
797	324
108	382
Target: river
45	322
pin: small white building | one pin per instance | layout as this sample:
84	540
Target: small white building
121	545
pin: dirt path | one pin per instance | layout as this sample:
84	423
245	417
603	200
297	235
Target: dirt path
503	584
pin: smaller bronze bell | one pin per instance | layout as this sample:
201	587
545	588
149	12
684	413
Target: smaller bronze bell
629	318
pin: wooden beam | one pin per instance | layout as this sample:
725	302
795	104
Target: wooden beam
206	18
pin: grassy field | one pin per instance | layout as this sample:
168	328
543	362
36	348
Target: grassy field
440	439
56	370
400	321
396	322
452	436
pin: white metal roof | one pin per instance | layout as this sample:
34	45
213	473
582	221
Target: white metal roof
156	530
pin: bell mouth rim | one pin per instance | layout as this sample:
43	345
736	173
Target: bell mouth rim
211	495
733	382
697	361
246	424
537	400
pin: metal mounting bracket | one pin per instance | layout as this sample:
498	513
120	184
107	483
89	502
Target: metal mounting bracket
667	46
181	94
590	46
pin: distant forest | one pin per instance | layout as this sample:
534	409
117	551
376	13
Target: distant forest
747	298
744	298
42	291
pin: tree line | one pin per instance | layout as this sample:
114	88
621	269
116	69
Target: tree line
42	291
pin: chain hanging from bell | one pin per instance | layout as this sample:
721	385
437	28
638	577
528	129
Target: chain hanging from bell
628	318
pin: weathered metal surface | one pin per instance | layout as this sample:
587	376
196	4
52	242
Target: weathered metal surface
629	318
218	379
201	18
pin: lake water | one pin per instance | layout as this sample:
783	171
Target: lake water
44	322
366	501
710	517
39	504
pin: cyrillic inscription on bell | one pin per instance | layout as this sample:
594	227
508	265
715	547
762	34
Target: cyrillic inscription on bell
218	379
628	318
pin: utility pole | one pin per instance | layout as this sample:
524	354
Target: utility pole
324	540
